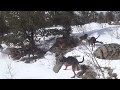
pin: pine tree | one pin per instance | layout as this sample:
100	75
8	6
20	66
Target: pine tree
109	17
93	16
65	19
3	27
24	26
101	17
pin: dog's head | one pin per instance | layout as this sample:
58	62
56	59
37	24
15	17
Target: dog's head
86	35
63	59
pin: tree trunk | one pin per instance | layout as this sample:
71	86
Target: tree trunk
59	64
32	42
57	67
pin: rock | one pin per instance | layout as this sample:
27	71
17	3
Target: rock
84	67
114	75
90	74
110	72
108	51
109	77
87	72
80	74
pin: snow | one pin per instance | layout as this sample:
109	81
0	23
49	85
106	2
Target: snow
43	68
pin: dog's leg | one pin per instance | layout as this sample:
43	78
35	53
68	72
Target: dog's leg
78	67
73	69
92	47
89	43
94	44
65	67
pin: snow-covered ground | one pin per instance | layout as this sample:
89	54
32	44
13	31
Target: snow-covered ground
43	68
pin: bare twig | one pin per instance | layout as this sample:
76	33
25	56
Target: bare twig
9	71
95	61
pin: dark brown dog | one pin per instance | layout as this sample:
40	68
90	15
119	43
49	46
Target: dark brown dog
84	37
71	61
92	41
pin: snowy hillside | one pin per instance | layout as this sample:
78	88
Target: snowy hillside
43	68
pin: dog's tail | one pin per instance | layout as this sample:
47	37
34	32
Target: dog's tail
82	60
76	56
97	37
